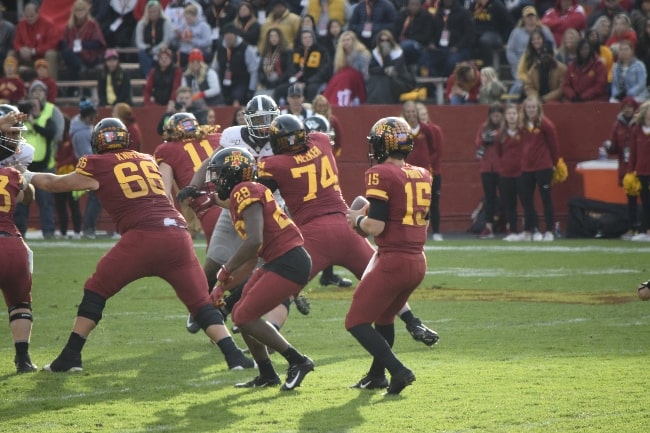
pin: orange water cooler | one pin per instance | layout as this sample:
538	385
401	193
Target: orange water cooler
600	181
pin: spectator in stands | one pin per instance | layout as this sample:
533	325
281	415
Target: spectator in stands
586	76
350	52
539	159
192	34
306	23
603	52
113	84
643	48
82	46
389	76
606	8
65	162
35	39
324	12
81	128
568	50
321	106
493	24
621	30
296	103
603	26
453	38
463	84
218	13
518	43
275	65
639	16
40	134
12	87
565	14
619	144
282	18
331	38
202	80
247	23
629	77
238	118
237	63
124	112
7	35
545	76
537	44
414	30
175	12
163	80
369	17
43	74
141	6
152	33
118	23
492	89
312	65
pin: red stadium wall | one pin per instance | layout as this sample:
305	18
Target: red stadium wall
581	128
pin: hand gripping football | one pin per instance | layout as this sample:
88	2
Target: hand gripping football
357	204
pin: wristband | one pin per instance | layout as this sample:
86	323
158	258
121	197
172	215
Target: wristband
358	221
27	178
224	275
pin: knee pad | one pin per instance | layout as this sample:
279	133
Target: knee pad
92	306
207	316
17	316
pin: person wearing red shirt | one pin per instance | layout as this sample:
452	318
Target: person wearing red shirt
463	84
586	76
510	149
35	38
565	14
12	87
640	163
539	158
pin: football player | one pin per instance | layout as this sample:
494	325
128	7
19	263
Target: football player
304	170
253	137
16	257
397	217
154	241
268	233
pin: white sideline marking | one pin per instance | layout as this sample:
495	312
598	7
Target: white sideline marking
541	273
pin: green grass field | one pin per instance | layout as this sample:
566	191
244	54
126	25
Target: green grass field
534	338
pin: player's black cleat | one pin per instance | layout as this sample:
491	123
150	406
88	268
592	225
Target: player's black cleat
66	361
400	381
302	305
191	326
240	362
260	382
335	280
422	333
296	373
371	382
24	364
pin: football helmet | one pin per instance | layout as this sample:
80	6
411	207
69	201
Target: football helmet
389	135
109	134
10	141
259	113
181	126
229	167
287	135
319	123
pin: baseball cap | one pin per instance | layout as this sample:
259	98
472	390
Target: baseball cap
295	90
37	84
86	107
528	10
195	54
110	53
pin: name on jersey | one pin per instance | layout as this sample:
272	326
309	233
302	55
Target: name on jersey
412	173
312	153
123	156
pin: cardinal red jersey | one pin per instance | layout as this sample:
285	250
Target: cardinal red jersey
10	185
407	189
129	180
308	181
280	233
185	157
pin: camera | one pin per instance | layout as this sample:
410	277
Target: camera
25	107
178	106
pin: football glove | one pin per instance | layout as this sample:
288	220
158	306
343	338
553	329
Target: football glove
187	192
201	203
